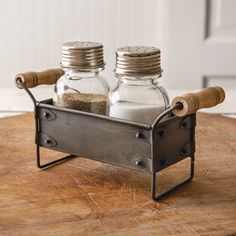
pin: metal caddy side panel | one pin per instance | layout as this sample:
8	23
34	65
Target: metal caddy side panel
173	141
94	137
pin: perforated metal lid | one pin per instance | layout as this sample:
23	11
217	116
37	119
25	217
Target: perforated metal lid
82	55
138	60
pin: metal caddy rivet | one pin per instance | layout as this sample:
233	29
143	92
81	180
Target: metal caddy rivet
139	163
47	141
161	133
139	135
46	114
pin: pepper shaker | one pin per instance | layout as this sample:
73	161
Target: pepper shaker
82	86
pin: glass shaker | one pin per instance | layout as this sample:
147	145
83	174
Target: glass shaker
137	96
82	86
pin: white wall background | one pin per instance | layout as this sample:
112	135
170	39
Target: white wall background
197	40
32	31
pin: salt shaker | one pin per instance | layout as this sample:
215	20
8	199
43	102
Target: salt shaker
137	96
82	86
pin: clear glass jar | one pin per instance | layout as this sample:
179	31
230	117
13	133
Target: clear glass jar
137	97
82	86
82	90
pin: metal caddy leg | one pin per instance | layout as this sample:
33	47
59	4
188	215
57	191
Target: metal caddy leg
38	156
154	194
157	197
51	163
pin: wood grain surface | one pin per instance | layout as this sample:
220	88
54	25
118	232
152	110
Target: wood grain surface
84	197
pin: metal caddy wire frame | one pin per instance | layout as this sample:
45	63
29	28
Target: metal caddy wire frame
141	147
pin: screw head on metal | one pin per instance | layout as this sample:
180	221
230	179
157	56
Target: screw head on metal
46	114
139	162
139	135
161	133
47	141
162	162
183	151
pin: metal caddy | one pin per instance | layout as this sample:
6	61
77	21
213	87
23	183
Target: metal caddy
141	147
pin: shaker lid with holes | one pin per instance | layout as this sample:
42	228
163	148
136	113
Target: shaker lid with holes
138	61
82	55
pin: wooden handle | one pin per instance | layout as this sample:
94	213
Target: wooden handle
192	102
33	79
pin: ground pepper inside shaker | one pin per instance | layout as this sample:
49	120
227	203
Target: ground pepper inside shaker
95	103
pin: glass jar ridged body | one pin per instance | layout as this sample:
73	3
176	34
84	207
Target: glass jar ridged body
137	99
81	90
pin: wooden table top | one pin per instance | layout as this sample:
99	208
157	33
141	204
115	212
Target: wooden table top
84	197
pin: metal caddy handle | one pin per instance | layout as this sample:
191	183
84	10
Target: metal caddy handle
181	106
31	80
